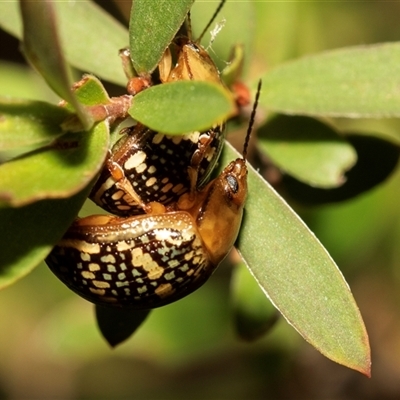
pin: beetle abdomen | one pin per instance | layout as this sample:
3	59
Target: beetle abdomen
141	262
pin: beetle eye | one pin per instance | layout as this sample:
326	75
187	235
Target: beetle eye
233	183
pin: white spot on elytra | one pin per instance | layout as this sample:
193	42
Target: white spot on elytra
170	276
117	195
141	290
109	258
150	182
85	257
88	274
141	168
101	284
94	267
144	260
164	290
135	160
158	138
99	292
167	187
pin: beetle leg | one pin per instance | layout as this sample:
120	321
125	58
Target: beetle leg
129	193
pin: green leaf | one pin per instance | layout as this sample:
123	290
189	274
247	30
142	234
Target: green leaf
307	149
43	48
377	158
20	82
352	82
29	233
299	276
91	91
160	22
79	24
55	172
10	18
64	167
182	107
92	39
233	71
254	315
29	123
118	324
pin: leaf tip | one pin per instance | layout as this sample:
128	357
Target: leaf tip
365	368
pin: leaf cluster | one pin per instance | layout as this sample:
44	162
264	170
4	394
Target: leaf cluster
47	172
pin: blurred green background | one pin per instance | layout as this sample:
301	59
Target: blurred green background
51	348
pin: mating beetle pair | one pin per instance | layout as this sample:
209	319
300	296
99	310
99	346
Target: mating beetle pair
172	229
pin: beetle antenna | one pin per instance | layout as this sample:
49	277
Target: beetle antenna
211	21
189	26
252	118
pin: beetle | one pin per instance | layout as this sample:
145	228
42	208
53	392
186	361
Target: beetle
145	166
151	260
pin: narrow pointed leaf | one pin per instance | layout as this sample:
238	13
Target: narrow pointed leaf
80	23
159	21
118	324
42	46
377	159
29	123
29	233
307	149
182	107
299	276
360	81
